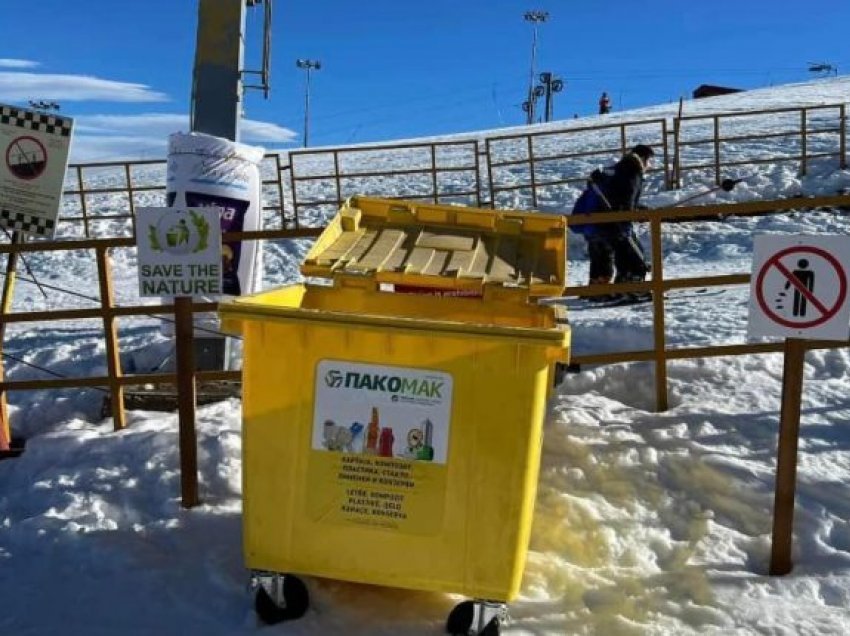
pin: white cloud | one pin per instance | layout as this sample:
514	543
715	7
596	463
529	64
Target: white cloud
25	86
261	131
12	63
148	124
145	136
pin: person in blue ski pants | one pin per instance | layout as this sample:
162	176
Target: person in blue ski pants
615	246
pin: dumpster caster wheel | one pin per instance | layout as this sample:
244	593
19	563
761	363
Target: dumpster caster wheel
476	618
281	598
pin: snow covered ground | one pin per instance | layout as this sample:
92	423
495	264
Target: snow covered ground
645	523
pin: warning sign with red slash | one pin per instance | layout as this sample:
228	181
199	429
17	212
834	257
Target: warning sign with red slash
34	150
799	287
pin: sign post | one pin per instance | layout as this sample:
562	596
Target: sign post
786	459
798	290
179	255
34	150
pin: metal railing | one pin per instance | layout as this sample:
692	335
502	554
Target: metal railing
520	162
795	126
89	206
440	172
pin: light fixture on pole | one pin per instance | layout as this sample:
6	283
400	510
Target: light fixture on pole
308	66
535	17
549	84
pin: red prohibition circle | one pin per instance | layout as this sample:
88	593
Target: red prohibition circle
28	165
842	287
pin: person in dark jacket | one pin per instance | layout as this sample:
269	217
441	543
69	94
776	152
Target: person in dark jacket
604	104
615	245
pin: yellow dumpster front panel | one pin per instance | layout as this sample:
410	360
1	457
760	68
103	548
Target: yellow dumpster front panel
396	444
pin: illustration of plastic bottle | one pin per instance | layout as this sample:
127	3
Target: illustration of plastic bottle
371	445
385	444
426	453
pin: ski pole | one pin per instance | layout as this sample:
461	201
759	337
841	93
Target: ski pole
727	185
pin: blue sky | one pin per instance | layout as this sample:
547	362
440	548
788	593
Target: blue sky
395	70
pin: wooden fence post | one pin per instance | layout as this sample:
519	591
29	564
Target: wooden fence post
658	316
716	150
110	330
786	458
803	161
531	172
434	182
185	345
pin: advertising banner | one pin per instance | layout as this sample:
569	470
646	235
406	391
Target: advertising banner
207	171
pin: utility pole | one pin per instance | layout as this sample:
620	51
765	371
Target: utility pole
535	17
550	85
308	66
219	54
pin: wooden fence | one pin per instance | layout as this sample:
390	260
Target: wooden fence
116	380
660	353
91	222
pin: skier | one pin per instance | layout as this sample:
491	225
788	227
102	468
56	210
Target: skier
604	104
615	245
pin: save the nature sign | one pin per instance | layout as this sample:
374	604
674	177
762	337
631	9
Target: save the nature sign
179	251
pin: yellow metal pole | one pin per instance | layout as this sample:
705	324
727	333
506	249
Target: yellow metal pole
5	308
110	330
786	460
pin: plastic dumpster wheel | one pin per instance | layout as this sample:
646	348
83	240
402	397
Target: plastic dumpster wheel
296	600
459	622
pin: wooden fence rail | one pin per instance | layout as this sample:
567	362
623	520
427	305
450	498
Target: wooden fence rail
453	159
115	381
660	354
108	312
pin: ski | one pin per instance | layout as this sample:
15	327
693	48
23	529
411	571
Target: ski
585	303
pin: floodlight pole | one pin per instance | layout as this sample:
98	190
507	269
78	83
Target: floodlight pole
308	66
535	17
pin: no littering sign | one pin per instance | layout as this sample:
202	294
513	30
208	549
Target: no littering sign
799	287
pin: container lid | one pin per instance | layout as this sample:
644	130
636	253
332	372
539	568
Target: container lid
415	244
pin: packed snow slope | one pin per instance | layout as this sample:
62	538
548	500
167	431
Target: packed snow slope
645	522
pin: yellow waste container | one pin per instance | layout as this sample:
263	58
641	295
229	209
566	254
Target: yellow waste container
394	438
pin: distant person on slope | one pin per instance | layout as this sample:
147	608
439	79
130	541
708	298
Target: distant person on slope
615	245
604	104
